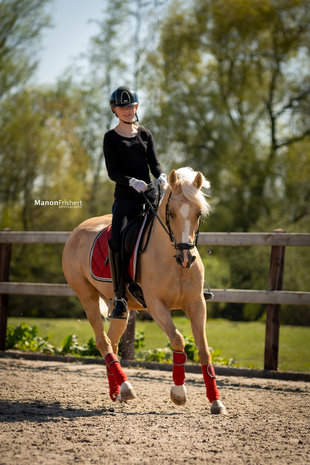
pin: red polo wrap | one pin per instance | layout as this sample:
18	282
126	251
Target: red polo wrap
178	371
114	387
210	382
114	367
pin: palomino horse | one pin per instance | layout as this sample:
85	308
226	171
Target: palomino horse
171	275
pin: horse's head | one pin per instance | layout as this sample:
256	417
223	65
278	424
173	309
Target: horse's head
185	205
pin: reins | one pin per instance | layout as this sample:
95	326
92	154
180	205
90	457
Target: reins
154	212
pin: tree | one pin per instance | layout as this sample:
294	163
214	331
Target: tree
236	95
21	24
42	157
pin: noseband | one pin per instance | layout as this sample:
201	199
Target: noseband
181	246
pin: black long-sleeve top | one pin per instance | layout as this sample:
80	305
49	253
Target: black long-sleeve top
130	157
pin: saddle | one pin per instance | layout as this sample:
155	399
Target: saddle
131	247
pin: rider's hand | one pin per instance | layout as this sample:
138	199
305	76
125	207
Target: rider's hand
162	181
138	185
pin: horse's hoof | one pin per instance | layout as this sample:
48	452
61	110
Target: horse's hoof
127	392
178	394
218	408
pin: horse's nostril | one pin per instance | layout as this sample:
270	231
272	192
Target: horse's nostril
184	258
179	260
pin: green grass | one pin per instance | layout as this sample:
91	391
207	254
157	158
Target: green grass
57	329
242	341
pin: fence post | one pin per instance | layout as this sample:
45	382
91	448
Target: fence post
128	339
273	310
5	258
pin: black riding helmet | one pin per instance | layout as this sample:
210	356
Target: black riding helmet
123	97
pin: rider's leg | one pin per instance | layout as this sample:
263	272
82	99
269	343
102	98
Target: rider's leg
123	211
120	309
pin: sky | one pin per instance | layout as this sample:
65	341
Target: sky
68	38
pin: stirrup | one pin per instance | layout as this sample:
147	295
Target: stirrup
207	293
120	309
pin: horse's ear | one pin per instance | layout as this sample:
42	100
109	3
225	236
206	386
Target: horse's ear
173	179
198	181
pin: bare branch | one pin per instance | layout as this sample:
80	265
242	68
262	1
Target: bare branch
291	140
292	101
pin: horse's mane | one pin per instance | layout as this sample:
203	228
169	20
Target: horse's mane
186	178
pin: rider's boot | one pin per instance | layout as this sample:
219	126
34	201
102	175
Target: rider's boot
120	307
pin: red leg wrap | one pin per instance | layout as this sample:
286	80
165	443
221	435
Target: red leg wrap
210	382
114	387
178	371
114	367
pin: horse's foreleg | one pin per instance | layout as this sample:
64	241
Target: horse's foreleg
197	314
163	318
178	391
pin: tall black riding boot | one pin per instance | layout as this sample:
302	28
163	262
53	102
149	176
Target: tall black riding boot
120	307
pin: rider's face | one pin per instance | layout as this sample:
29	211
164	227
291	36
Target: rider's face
126	113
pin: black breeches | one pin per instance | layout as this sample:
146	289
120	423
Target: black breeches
124	210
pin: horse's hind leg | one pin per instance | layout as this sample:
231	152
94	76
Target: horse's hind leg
118	381
197	314
90	304
116	330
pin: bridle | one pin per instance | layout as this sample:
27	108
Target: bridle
179	246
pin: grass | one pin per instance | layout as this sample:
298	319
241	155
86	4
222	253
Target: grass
242	341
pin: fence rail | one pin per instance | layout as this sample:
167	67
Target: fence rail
273	297
220	295
213	238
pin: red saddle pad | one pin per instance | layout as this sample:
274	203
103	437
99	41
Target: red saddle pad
99	255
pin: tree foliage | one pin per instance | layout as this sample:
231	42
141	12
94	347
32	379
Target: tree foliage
21	24
235	96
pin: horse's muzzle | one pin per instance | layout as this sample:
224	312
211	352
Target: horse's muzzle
183	256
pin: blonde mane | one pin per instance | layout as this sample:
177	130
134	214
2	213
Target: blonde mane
186	177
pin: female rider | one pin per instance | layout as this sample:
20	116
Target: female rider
130	156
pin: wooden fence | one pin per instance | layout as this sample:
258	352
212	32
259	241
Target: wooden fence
273	297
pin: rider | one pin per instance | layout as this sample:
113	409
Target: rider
130	155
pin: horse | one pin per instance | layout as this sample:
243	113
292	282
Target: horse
171	275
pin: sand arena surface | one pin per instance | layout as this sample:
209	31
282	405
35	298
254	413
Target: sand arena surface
61	413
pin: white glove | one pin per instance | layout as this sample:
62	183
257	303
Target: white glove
138	185
162	181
